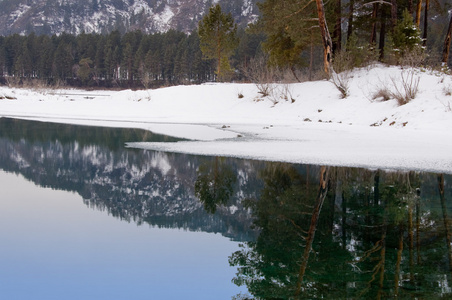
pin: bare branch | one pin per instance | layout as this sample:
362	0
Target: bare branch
295	225
311	20
300	10
377	1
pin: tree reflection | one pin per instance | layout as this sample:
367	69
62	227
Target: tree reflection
215	184
364	244
272	266
445	219
323	189
145	187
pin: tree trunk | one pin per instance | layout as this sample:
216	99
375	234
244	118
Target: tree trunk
418	13
337	28
424	37
381	46
350	19
394	14
326	38
294	73
218	53
373	35
447	43
323	189
311	59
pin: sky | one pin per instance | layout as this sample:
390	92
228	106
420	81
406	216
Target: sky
301	122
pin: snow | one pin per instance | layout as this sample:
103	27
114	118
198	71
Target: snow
23	9
163	19
317	128
161	162
140	6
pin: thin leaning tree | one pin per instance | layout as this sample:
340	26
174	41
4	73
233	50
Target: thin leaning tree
218	39
326	39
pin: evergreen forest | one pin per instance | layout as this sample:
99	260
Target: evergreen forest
286	38
131	60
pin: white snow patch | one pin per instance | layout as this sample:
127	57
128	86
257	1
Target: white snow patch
161	162
21	10
163	19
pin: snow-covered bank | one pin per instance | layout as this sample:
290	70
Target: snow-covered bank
234	120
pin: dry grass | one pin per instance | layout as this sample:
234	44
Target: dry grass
406	87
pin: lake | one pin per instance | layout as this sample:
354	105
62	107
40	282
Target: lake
84	217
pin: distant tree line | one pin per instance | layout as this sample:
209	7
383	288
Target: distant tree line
130	60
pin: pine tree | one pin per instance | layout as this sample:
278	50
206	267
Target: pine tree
218	39
99	61
127	62
23	64
63	61
406	37
45	54
287	24
112	54
13	44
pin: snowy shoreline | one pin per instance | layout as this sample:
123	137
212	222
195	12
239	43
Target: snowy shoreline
233	119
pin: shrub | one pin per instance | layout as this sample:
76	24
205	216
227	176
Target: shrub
403	88
382	94
344	62
406	87
268	80
342	82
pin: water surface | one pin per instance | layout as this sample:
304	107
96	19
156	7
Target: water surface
83	217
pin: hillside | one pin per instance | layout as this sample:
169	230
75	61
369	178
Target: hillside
149	16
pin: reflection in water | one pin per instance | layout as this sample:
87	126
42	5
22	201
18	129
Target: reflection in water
379	235
133	185
307	231
214	184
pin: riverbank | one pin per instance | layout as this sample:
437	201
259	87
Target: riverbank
301	123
